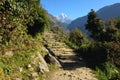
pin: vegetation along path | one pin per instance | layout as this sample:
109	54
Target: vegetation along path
73	67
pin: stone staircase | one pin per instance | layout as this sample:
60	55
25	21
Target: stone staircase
65	54
70	62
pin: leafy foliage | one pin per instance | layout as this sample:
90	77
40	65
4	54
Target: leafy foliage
112	32
97	53
107	72
77	38
19	18
20	22
113	49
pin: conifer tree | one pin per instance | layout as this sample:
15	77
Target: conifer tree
94	25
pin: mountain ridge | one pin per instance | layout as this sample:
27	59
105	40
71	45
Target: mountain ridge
105	13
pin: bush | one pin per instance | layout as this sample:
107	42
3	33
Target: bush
76	37
113	49
107	71
97	53
94	54
20	18
100	74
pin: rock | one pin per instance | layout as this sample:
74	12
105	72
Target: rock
43	48
41	68
34	74
51	59
20	69
29	65
9	53
42	64
36	79
39	61
18	79
31	69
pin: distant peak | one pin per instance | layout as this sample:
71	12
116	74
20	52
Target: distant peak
64	18
63	15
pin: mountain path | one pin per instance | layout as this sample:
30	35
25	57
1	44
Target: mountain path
73	67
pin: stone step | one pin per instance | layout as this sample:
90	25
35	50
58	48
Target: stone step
68	52
55	43
70	57
63	51
66	49
60	49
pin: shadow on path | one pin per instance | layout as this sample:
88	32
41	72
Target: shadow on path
71	62
68	62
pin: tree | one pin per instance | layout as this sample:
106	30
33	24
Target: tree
112	32
77	37
94	25
118	23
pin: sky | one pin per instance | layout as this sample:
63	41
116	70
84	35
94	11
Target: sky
74	8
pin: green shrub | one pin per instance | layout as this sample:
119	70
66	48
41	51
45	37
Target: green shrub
7	69
98	52
113	49
100	74
94	53
107	71
72	45
77	38
20	18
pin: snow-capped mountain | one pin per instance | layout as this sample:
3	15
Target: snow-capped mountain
64	18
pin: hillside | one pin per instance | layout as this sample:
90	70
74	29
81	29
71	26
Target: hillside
21	48
53	20
105	13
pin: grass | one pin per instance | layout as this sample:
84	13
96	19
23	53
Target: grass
9	66
52	68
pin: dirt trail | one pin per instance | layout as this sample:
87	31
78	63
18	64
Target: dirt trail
73	67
